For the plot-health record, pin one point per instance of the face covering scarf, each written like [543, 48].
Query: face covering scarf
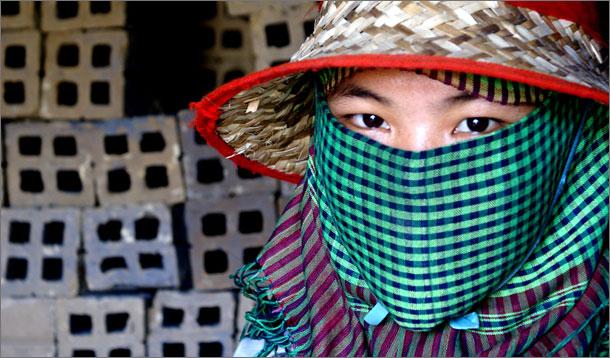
[431, 235]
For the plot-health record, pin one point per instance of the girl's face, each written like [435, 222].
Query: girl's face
[405, 110]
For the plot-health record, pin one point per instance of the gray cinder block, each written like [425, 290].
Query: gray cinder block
[18, 15]
[244, 305]
[28, 327]
[39, 252]
[225, 234]
[129, 247]
[20, 65]
[100, 325]
[178, 344]
[61, 16]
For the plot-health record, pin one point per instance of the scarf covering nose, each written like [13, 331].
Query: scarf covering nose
[431, 233]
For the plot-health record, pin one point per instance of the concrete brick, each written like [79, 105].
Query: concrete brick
[84, 75]
[225, 234]
[244, 305]
[145, 149]
[20, 65]
[28, 328]
[60, 16]
[209, 175]
[192, 312]
[17, 15]
[46, 162]
[129, 247]
[100, 324]
[178, 344]
[39, 252]
[232, 39]
[286, 192]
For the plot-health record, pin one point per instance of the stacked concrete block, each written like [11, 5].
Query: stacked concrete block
[244, 305]
[20, 65]
[39, 252]
[225, 234]
[286, 192]
[28, 328]
[136, 161]
[209, 175]
[191, 324]
[17, 15]
[84, 74]
[100, 327]
[64, 15]
[129, 247]
[49, 164]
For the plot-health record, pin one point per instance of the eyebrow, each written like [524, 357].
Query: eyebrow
[352, 90]
[462, 97]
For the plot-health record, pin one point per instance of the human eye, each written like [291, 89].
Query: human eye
[367, 121]
[478, 125]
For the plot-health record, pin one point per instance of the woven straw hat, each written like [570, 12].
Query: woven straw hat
[263, 121]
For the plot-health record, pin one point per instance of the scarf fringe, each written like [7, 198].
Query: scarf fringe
[266, 321]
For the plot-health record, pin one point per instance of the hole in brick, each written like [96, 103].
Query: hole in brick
[113, 263]
[207, 79]
[120, 352]
[308, 27]
[30, 145]
[31, 181]
[80, 324]
[207, 39]
[16, 268]
[110, 231]
[250, 254]
[199, 140]
[214, 224]
[14, 92]
[9, 8]
[172, 317]
[151, 261]
[277, 35]
[83, 353]
[233, 74]
[14, 56]
[215, 261]
[208, 316]
[250, 222]
[69, 181]
[208, 10]
[116, 144]
[156, 177]
[171, 349]
[99, 7]
[147, 228]
[66, 93]
[209, 171]
[152, 142]
[100, 92]
[279, 62]
[19, 232]
[247, 174]
[231, 39]
[66, 9]
[118, 180]
[64, 146]
[116, 322]
[210, 349]
[68, 55]
[52, 269]
[53, 233]
[100, 57]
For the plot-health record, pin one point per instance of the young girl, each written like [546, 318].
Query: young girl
[453, 182]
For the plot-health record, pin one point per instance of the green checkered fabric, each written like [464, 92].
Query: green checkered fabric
[433, 232]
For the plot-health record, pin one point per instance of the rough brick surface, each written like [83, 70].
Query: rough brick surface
[244, 305]
[129, 247]
[231, 36]
[22, 17]
[208, 174]
[143, 149]
[101, 325]
[84, 74]
[225, 234]
[49, 163]
[60, 17]
[179, 344]
[192, 312]
[20, 65]
[39, 252]
[28, 327]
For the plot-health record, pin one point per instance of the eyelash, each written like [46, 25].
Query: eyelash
[465, 126]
